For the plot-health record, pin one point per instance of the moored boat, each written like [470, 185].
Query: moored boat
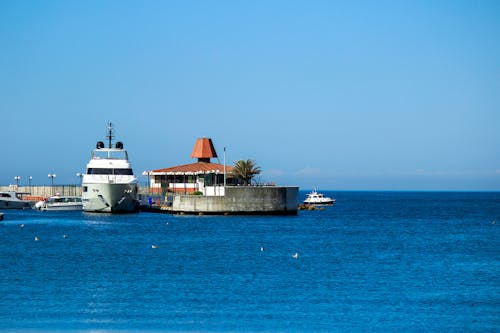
[58, 202]
[11, 200]
[315, 198]
[109, 184]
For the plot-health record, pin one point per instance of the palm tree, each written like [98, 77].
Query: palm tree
[245, 170]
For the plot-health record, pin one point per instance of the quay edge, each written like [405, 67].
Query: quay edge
[238, 200]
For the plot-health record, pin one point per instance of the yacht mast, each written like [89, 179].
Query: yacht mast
[110, 135]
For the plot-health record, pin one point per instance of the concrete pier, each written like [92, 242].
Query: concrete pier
[257, 200]
[237, 200]
[43, 191]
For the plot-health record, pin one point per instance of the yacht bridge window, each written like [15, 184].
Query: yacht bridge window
[107, 171]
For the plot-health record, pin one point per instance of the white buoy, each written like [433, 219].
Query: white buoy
[22, 225]
[154, 246]
[65, 236]
[295, 255]
[262, 249]
[37, 239]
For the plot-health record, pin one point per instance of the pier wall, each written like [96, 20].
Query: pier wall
[43, 191]
[47, 191]
[241, 200]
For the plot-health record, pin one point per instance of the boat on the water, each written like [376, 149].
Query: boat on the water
[315, 198]
[109, 184]
[58, 202]
[11, 200]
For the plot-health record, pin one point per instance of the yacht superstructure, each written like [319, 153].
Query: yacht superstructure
[109, 184]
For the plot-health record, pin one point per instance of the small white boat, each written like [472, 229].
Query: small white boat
[60, 203]
[11, 200]
[315, 198]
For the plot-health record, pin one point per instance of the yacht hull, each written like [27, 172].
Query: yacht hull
[110, 198]
[12, 204]
[318, 203]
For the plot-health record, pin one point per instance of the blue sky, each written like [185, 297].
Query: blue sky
[352, 95]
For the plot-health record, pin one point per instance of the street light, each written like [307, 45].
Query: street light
[79, 174]
[17, 181]
[148, 173]
[30, 178]
[52, 176]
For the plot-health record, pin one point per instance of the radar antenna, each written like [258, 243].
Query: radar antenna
[110, 135]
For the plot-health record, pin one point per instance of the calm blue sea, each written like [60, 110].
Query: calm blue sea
[374, 262]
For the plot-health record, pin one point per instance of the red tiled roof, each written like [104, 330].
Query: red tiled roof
[203, 148]
[193, 168]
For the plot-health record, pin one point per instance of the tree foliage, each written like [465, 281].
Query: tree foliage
[246, 170]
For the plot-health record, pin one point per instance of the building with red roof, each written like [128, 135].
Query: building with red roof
[201, 176]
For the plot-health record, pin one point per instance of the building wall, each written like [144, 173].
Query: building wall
[241, 200]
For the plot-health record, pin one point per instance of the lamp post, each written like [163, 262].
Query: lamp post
[147, 173]
[52, 176]
[79, 174]
[17, 181]
[224, 170]
[30, 178]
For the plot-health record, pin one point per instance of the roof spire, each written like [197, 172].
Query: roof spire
[204, 150]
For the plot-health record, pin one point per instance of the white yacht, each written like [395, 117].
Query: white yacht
[11, 200]
[315, 198]
[109, 184]
[59, 202]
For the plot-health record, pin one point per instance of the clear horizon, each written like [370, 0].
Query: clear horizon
[339, 96]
